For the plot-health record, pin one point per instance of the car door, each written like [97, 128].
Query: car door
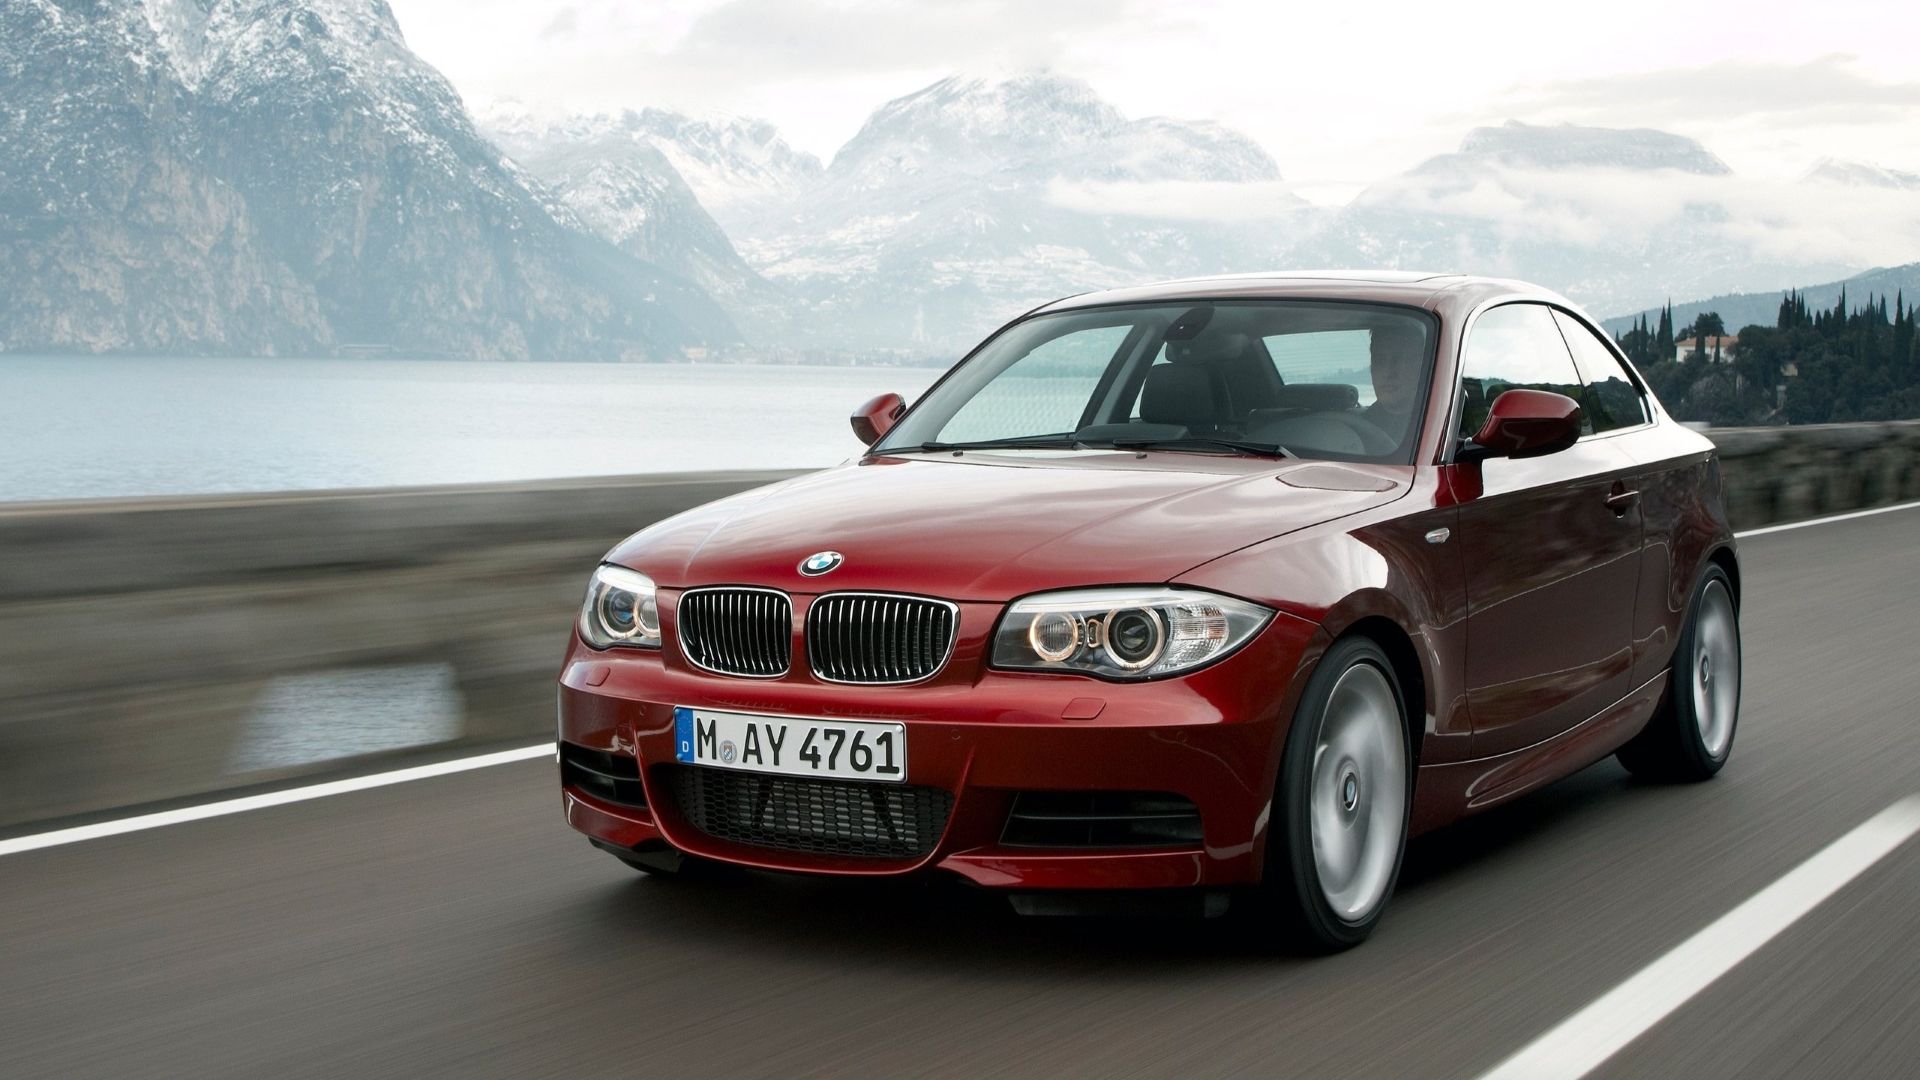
[1666, 479]
[1551, 547]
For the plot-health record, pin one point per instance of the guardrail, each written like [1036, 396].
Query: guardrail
[139, 638]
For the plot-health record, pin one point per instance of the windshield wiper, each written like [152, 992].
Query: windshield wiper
[1061, 440]
[1203, 442]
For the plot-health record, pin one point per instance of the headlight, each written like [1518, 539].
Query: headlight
[1124, 633]
[621, 609]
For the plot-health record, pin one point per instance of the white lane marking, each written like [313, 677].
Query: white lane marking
[272, 798]
[1828, 520]
[1581, 1042]
[336, 787]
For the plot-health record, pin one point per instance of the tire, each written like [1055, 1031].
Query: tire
[1341, 805]
[1691, 735]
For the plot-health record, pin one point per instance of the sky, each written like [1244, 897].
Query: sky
[1341, 95]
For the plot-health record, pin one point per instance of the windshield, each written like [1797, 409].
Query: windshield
[1313, 379]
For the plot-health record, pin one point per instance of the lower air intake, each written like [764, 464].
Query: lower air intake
[614, 778]
[1098, 819]
[818, 817]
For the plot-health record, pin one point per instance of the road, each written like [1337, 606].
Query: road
[453, 926]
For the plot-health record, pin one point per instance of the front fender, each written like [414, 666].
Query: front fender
[1386, 573]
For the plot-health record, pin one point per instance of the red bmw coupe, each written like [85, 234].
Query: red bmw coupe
[1215, 590]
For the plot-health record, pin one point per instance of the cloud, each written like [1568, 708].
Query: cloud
[771, 40]
[1795, 222]
[563, 24]
[1825, 89]
[1222, 202]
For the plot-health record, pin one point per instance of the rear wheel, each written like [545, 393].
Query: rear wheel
[1691, 736]
[1341, 804]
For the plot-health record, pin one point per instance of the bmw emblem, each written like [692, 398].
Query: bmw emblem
[727, 751]
[820, 562]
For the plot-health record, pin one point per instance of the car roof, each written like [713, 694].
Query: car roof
[1434, 291]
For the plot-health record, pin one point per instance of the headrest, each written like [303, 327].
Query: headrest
[1319, 397]
[1183, 394]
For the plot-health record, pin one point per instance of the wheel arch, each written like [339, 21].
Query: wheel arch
[1394, 640]
[1725, 558]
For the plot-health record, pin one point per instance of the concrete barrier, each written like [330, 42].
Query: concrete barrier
[139, 638]
[1793, 473]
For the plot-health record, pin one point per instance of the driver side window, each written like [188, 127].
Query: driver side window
[1514, 347]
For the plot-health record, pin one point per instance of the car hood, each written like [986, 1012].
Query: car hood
[992, 526]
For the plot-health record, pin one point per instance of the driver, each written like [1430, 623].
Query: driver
[1397, 350]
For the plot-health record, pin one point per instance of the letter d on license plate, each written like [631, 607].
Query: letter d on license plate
[790, 745]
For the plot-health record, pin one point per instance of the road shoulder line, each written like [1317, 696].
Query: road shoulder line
[272, 798]
[1828, 520]
[1582, 1042]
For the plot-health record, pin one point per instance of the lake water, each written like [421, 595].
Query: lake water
[85, 427]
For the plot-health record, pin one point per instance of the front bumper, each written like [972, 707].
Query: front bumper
[1213, 737]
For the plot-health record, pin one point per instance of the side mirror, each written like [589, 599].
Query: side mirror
[1524, 424]
[877, 417]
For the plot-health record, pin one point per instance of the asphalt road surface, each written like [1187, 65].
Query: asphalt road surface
[455, 927]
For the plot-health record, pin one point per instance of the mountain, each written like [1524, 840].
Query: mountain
[115, 233]
[347, 198]
[626, 190]
[959, 205]
[1861, 174]
[1569, 146]
[734, 167]
[1762, 308]
[1615, 218]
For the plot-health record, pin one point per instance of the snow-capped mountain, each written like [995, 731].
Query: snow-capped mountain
[341, 180]
[628, 192]
[279, 176]
[1617, 219]
[959, 205]
[114, 232]
[735, 167]
[1861, 174]
[1569, 146]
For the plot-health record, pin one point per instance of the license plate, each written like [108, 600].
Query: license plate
[791, 746]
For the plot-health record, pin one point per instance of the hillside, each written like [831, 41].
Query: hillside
[1762, 308]
[286, 176]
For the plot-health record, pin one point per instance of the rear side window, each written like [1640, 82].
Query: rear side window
[1612, 400]
[1514, 347]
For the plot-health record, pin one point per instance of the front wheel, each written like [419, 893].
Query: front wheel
[1691, 736]
[1341, 804]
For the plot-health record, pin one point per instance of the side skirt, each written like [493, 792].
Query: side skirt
[1444, 793]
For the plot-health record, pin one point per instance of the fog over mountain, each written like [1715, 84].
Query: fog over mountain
[285, 176]
[1616, 219]
[957, 206]
[735, 167]
[1862, 174]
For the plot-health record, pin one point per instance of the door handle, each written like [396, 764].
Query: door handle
[1622, 500]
